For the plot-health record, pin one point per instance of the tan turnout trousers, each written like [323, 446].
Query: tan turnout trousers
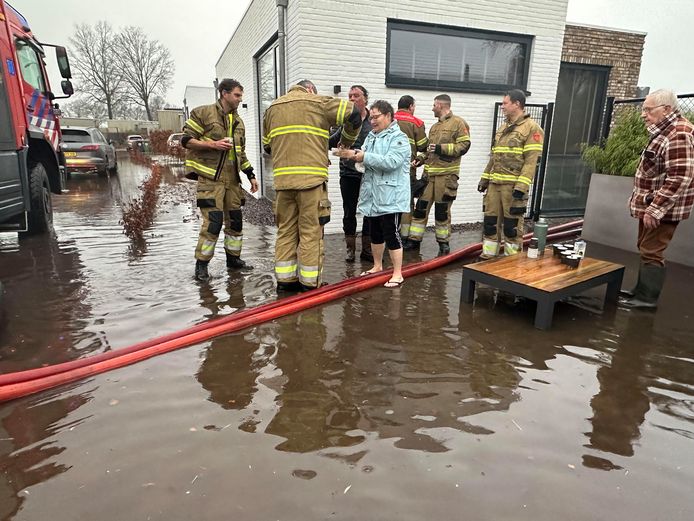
[503, 221]
[220, 206]
[299, 253]
[439, 193]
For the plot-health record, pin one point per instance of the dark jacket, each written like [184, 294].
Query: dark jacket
[347, 165]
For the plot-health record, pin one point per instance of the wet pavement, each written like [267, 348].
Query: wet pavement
[386, 405]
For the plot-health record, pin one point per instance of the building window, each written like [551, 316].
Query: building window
[267, 83]
[450, 58]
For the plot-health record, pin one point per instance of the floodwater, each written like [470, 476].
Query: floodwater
[387, 405]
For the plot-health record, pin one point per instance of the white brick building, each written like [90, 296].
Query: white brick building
[498, 45]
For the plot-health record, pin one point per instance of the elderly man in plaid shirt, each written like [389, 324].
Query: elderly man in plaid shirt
[663, 192]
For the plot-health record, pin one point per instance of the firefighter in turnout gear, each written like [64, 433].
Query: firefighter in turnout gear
[449, 140]
[215, 154]
[295, 133]
[508, 176]
[416, 134]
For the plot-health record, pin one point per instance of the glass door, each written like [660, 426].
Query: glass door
[267, 83]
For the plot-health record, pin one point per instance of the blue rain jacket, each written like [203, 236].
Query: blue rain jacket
[385, 185]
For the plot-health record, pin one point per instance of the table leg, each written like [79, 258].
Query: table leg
[613, 287]
[467, 292]
[544, 313]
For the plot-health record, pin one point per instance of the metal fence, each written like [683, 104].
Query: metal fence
[616, 107]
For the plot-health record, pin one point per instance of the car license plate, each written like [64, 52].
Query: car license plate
[70, 154]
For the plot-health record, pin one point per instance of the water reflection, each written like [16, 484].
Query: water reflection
[620, 407]
[27, 454]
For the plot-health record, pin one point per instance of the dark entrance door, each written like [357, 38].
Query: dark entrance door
[581, 96]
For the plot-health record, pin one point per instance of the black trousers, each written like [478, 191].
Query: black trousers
[349, 188]
[385, 228]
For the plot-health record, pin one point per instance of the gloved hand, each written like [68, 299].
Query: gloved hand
[517, 194]
[483, 185]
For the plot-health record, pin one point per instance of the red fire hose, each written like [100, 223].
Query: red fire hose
[23, 383]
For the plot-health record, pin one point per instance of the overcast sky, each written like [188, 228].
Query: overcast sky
[197, 31]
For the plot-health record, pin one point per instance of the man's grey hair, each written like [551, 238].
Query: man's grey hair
[664, 97]
[308, 85]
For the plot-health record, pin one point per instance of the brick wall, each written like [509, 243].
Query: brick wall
[617, 49]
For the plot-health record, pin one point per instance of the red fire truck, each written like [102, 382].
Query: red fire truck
[31, 164]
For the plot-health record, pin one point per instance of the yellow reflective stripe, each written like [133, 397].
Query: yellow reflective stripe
[202, 168]
[449, 148]
[422, 141]
[416, 229]
[238, 148]
[524, 180]
[341, 112]
[246, 164]
[232, 155]
[266, 140]
[348, 136]
[192, 124]
[411, 141]
[485, 175]
[507, 150]
[301, 170]
[230, 132]
[504, 177]
[428, 168]
[441, 232]
[490, 247]
[308, 274]
[296, 129]
[537, 146]
[286, 269]
[462, 138]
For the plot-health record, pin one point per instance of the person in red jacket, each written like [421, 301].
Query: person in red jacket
[416, 134]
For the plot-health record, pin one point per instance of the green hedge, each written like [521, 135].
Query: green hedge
[622, 149]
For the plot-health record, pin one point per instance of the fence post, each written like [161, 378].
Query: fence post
[607, 121]
[539, 185]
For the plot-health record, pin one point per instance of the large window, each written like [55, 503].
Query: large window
[29, 63]
[451, 58]
[267, 82]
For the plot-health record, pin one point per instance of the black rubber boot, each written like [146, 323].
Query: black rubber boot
[629, 293]
[288, 287]
[651, 280]
[411, 245]
[235, 263]
[351, 242]
[444, 248]
[366, 254]
[201, 273]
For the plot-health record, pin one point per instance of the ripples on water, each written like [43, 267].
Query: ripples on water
[389, 404]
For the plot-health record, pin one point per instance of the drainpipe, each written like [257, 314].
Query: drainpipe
[281, 40]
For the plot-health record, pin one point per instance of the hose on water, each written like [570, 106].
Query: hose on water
[23, 383]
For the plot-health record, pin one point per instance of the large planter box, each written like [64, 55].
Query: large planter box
[607, 220]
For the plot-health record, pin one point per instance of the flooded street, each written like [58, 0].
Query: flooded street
[386, 405]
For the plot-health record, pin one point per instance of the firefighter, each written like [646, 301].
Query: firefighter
[449, 140]
[507, 177]
[416, 134]
[295, 130]
[215, 153]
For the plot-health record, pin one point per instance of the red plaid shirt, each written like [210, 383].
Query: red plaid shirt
[664, 183]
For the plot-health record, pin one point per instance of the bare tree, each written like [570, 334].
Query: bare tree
[146, 66]
[84, 106]
[93, 50]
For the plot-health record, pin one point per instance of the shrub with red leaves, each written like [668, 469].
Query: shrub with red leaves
[139, 214]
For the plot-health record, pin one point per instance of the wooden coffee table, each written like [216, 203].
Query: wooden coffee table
[545, 280]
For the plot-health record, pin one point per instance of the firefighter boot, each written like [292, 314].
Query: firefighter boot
[366, 254]
[201, 273]
[411, 245]
[651, 280]
[444, 249]
[235, 263]
[351, 242]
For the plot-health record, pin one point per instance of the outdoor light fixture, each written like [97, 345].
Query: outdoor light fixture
[337, 89]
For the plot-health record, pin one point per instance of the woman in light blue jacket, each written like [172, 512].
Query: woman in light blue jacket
[385, 186]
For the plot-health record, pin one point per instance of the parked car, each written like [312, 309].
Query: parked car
[173, 143]
[134, 142]
[87, 150]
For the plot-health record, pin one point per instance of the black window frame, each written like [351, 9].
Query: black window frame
[450, 30]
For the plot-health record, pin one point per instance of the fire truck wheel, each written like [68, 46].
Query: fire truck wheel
[40, 218]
